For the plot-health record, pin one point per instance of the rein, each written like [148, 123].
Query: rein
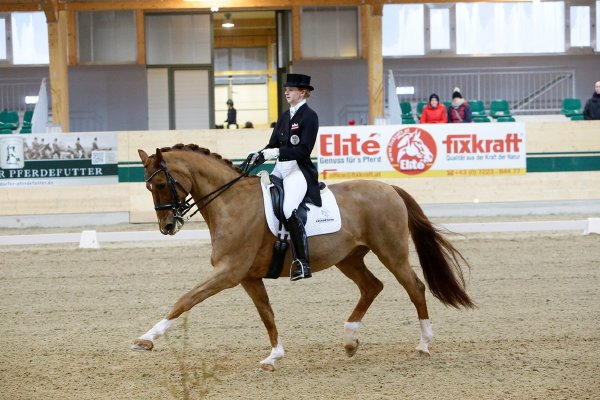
[181, 207]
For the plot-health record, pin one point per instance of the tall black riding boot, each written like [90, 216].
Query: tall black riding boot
[300, 268]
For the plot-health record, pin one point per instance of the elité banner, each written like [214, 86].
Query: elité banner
[58, 159]
[397, 151]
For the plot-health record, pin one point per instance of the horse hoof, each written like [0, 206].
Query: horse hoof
[266, 368]
[142, 345]
[351, 348]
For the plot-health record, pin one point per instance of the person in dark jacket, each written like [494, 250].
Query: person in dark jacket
[231, 120]
[592, 106]
[291, 143]
[459, 110]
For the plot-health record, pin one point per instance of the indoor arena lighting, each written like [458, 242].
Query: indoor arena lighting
[228, 23]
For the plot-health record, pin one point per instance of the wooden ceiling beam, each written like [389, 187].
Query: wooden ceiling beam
[224, 5]
[181, 5]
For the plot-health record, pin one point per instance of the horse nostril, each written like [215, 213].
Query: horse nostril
[168, 228]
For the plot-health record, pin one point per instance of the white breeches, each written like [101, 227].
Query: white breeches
[294, 185]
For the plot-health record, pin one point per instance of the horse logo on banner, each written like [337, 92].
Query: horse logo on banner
[412, 151]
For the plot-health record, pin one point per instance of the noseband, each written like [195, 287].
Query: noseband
[177, 206]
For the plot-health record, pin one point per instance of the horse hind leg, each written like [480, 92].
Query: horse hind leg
[354, 268]
[258, 293]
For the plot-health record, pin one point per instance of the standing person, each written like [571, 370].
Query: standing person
[434, 112]
[460, 110]
[231, 115]
[291, 143]
[592, 106]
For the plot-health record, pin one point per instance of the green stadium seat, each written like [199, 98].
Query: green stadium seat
[478, 111]
[407, 115]
[572, 107]
[420, 106]
[500, 109]
[578, 117]
[9, 120]
[26, 126]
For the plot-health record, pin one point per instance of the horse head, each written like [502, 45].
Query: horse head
[169, 185]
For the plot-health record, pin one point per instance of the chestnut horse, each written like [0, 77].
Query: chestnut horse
[375, 217]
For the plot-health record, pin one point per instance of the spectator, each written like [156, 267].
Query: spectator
[231, 120]
[592, 106]
[459, 110]
[434, 112]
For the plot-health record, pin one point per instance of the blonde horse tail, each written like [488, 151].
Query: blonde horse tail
[440, 260]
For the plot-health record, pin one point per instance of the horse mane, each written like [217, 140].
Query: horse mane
[201, 150]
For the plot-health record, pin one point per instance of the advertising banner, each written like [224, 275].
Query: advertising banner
[432, 150]
[58, 159]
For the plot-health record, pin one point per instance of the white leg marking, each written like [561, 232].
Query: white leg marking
[426, 336]
[277, 353]
[351, 333]
[158, 330]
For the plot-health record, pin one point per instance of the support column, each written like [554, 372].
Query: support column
[374, 60]
[59, 79]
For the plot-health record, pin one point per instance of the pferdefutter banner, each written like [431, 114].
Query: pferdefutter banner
[58, 159]
[396, 151]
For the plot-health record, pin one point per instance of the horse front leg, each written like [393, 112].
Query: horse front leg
[258, 293]
[219, 279]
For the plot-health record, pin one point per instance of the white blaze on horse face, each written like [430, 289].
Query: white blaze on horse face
[157, 330]
[426, 336]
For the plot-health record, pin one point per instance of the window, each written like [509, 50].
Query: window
[329, 32]
[439, 28]
[580, 26]
[2, 38]
[29, 38]
[178, 39]
[508, 28]
[403, 30]
[598, 26]
[106, 37]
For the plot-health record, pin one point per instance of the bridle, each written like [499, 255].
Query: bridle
[180, 207]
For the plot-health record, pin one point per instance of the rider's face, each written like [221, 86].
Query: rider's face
[293, 95]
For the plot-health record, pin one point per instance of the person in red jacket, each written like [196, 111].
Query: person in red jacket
[434, 112]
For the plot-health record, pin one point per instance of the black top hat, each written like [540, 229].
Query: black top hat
[298, 80]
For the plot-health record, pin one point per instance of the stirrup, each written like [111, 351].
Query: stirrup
[299, 270]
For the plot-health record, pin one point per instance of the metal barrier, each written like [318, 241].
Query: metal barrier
[531, 90]
[13, 92]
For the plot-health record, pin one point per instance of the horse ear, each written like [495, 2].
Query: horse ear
[158, 155]
[143, 155]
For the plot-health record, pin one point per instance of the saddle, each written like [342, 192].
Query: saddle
[281, 245]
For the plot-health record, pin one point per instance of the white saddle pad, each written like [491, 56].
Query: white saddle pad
[319, 220]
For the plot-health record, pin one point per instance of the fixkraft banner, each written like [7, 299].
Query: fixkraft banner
[59, 159]
[396, 151]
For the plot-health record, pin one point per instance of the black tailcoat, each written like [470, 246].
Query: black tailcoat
[305, 126]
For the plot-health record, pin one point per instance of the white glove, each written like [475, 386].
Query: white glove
[270, 154]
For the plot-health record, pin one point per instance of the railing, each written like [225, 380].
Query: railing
[13, 92]
[533, 90]
[359, 113]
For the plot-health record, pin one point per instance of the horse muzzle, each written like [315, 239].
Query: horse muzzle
[172, 226]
